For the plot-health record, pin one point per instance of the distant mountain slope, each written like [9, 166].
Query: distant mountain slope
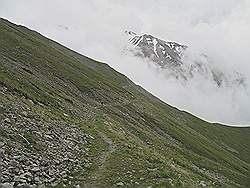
[66, 119]
[176, 59]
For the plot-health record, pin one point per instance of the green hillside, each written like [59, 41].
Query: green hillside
[66, 119]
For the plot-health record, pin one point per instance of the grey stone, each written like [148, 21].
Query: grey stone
[2, 144]
[7, 185]
[120, 184]
[35, 169]
[7, 120]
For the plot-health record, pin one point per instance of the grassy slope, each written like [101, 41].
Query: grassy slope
[139, 139]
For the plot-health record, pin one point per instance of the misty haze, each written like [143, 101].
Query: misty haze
[217, 29]
[113, 93]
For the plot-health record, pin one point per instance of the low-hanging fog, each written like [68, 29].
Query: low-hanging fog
[95, 28]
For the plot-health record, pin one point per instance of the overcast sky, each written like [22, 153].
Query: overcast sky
[219, 28]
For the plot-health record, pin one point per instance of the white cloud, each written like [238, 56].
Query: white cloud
[95, 28]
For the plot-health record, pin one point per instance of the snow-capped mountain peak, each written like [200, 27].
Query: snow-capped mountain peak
[161, 52]
[173, 57]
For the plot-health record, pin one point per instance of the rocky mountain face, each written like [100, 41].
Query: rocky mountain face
[176, 60]
[165, 54]
[69, 121]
